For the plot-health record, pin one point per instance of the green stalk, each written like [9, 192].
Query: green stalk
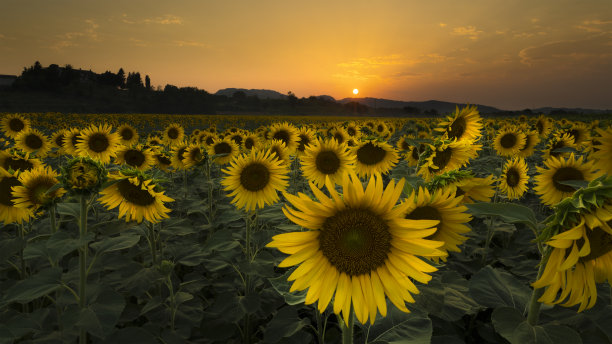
[534, 305]
[22, 272]
[247, 277]
[52, 218]
[347, 329]
[83, 264]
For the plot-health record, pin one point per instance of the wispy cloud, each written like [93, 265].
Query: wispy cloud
[594, 51]
[469, 31]
[442, 24]
[166, 19]
[139, 42]
[70, 39]
[595, 26]
[191, 44]
[392, 60]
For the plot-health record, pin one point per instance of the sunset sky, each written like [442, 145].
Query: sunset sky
[508, 54]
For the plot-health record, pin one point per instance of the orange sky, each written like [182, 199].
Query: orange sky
[508, 54]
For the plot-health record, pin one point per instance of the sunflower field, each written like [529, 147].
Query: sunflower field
[252, 229]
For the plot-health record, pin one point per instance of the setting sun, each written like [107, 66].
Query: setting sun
[355, 91]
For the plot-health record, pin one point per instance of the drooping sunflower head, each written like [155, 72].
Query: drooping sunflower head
[17, 161]
[374, 157]
[83, 175]
[33, 191]
[254, 179]
[531, 140]
[403, 144]
[509, 141]
[513, 181]
[326, 158]
[550, 183]
[136, 157]
[443, 156]
[8, 212]
[33, 142]
[464, 124]
[137, 198]
[98, 143]
[194, 154]
[358, 246]
[127, 134]
[222, 151]
[285, 132]
[14, 124]
[173, 134]
[463, 183]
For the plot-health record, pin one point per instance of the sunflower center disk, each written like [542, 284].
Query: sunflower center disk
[33, 141]
[127, 134]
[355, 241]
[512, 177]
[442, 158]
[36, 193]
[59, 140]
[134, 194]
[163, 160]
[223, 148]
[338, 137]
[540, 127]
[600, 241]
[134, 157]
[370, 154]
[16, 124]
[327, 162]
[237, 139]
[248, 143]
[173, 133]
[282, 135]
[6, 184]
[564, 174]
[457, 128]
[304, 141]
[508, 140]
[254, 177]
[196, 155]
[98, 143]
[17, 164]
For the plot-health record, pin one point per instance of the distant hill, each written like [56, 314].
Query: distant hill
[440, 106]
[261, 94]
[548, 110]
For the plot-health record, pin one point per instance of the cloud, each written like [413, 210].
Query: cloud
[139, 42]
[69, 39]
[470, 31]
[392, 60]
[594, 51]
[190, 44]
[595, 25]
[442, 24]
[166, 19]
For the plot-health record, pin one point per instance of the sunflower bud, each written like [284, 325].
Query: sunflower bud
[83, 175]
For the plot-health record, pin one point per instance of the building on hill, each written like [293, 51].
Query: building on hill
[6, 81]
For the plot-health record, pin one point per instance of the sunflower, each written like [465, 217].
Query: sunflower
[251, 141]
[513, 180]
[57, 140]
[154, 140]
[413, 154]
[441, 205]
[353, 130]
[557, 142]
[136, 198]
[474, 189]
[173, 134]
[136, 157]
[83, 175]
[279, 150]
[380, 129]
[464, 124]
[206, 139]
[14, 124]
[254, 179]
[327, 158]
[32, 193]
[8, 212]
[238, 138]
[71, 138]
[193, 155]
[221, 146]
[509, 141]
[177, 156]
[374, 157]
[285, 132]
[403, 144]
[548, 184]
[602, 151]
[128, 135]
[358, 247]
[531, 140]
[339, 134]
[14, 161]
[162, 160]
[98, 143]
[445, 156]
[581, 256]
[33, 142]
[579, 132]
[306, 137]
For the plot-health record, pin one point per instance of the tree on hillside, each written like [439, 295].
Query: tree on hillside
[121, 78]
[147, 82]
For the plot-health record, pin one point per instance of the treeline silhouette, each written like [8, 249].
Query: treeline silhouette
[66, 89]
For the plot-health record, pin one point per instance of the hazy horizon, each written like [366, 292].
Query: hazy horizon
[510, 56]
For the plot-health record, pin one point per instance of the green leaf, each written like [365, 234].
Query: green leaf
[284, 324]
[123, 241]
[282, 286]
[508, 212]
[43, 283]
[399, 327]
[546, 334]
[577, 184]
[181, 297]
[107, 308]
[496, 288]
[131, 335]
[69, 209]
[221, 240]
[505, 320]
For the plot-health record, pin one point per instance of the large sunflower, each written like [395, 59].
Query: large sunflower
[222, 146]
[602, 151]
[98, 143]
[127, 134]
[14, 161]
[557, 142]
[548, 184]
[440, 205]
[136, 198]
[326, 158]
[173, 134]
[358, 246]
[445, 157]
[513, 180]
[32, 193]
[509, 141]
[136, 157]
[254, 179]
[374, 157]
[581, 257]
[14, 124]
[8, 212]
[285, 132]
[464, 124]
[33, 142]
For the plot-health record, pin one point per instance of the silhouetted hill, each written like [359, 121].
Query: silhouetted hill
[261, 94]
[555, 110]
[440, 106]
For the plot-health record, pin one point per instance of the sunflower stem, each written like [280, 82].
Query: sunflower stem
[22, 272]
[83, 263]
[52, 218]
[347, 329]
[534, 305]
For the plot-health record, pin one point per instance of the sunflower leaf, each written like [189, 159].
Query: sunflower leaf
[577, 184]
[508, 212]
